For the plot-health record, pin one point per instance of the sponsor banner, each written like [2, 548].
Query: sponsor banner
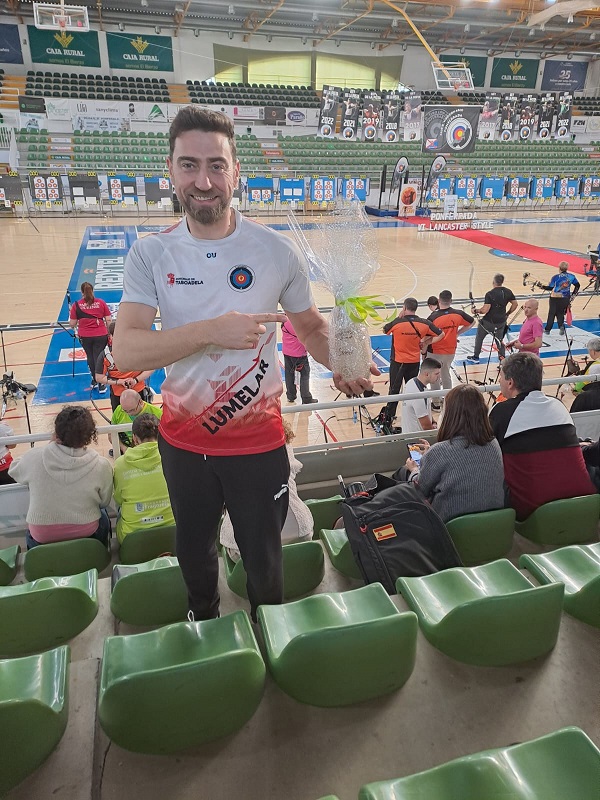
[390, 120]
[134, 51]
[564, 76]
[515, 73]
[274, 114]
[58, 108]
[247, 112]
[488, 121]
[148, 112]
[32, 105]
[330, 100]
[579, 124]
[450, 225]
[67, 48]
[477, 65]
[412, 117]
[509, 111]
[371, 115]
[528, 117]
[435, 170]
[350, 112]
[89, 122]
[546, 116]
[400, 173]
[450, 129]
[10, 45]
[32, 122]
[295, 116]
[563, 115]
[408, 199]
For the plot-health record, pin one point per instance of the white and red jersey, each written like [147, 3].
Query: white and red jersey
[217, 401]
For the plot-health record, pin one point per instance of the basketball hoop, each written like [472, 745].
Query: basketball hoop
[62, 21]
[60, 17]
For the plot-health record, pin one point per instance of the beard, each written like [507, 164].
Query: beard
[206, 216]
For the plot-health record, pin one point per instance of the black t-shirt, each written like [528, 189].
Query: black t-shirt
[498, 298]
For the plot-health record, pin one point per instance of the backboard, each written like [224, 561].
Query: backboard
[60, 17]
[452, 76]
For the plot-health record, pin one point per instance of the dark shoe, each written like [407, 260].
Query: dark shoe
[371, 393]
[546, 331]
[291, 399]
[312, 400]
[561, 330]
[473, 359]
[102, 389]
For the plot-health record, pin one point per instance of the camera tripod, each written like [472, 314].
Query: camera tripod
[12, 391]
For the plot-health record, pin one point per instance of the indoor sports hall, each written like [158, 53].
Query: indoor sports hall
[437, 144]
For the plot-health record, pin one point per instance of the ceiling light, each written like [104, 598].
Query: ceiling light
[543, 26]
[395, 22]
[592, 37]
[569, 56]
[121, 26]
[372, 45]
[517, 53]
[467, 28]
[231, 10]
[304, 40]
[196, 32]
[269, 38]
[315, 17]
[230, 34]
[462, 51]
[490, 52]
[157, 29]
[570, 18]
[144, 3]
[404, 46]
[337, 43]
[532, 31]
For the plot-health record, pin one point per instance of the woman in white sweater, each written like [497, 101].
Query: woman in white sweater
[298, 526]
[69, 485]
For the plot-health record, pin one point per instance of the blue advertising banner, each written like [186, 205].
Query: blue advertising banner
[564, 75]
[10, 45]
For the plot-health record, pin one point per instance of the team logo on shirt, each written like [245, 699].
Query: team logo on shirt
[241, 277]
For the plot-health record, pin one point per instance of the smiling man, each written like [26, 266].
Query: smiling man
[219, 279]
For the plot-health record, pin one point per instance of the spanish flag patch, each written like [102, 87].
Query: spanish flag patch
[384, 532]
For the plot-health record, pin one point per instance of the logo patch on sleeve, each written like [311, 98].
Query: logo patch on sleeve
[384, 532]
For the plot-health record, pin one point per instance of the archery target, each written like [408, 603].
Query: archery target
[241, 277]
[459, 134]
[561, 132]
[325, 130]
[506, 136]
[370, 132]
[525, 132]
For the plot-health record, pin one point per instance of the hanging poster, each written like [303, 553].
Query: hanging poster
[450, 129]
[330, 100]
[528, 116]
[66, 48]
[10, 45]
[390, 120]
[546, 115]
[488, 121]
[371, 115]
[563, 116]
[564, 75]
[412, 117]
[134, 51]
[516, 73]
[350, 112]
[509, 111]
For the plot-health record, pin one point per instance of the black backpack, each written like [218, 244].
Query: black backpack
[394, 532]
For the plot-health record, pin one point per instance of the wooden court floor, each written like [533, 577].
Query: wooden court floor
[37, 258]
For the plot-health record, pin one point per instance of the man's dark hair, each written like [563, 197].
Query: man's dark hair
[74, 426]
[432, 300]
[410, 304]
[498, 279]
[192, 118]
[525, 370]
[145, 427]
[430, 363]
[446, 296]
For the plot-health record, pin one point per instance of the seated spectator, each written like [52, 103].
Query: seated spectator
[139, 484]
[588, 398]
[69, 485]
[416, 414]
[108, 374]
[592, 367]
[462, 472]
[5, 455]
[591, 455]
[298, 526]
[541, 452]
[131, 406]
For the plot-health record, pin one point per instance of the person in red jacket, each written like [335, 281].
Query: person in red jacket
[90, 316]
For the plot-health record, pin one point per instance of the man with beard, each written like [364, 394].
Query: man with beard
[218, 279]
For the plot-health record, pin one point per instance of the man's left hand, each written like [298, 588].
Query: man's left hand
[357, 386]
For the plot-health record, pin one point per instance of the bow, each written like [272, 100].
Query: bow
[361, 307]
[471, 298]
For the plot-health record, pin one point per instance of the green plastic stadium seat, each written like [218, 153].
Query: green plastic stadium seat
[578, 567]
[33, 712]
[488, 616]
[46, 613]
[180, 686]
[303, 570]
[340, 648]
[324, 512]
[563, 764]
[329, 797]
[338, 549]
[482, 537]
[8, 564]
[153, 593]
[66, 558]
[563, 522]
[142, 546]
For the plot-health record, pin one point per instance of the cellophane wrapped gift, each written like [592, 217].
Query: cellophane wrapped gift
[342, 255]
